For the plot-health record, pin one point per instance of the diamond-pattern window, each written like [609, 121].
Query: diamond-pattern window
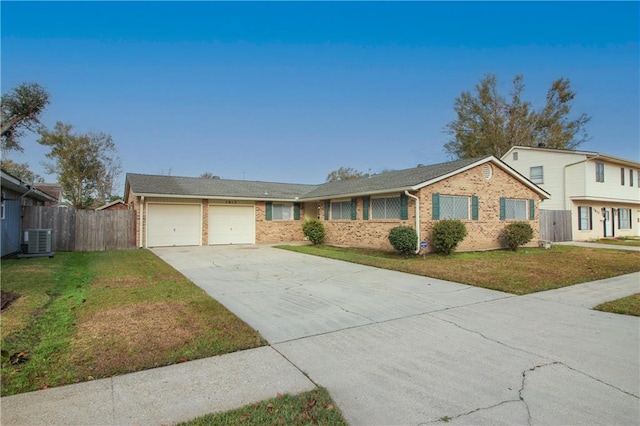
[385, 208]
[515, 209]
[454, 207]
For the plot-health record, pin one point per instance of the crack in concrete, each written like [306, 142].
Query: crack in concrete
[482, 335]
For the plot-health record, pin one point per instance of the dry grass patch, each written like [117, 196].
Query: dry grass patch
[141, 334]
[126, 281]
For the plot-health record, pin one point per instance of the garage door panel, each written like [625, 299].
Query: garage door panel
[232, 224]
[173, 225]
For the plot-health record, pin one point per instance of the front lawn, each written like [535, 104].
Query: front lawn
[528, 270]
[629, 305]
[309, 408]
[83, 316]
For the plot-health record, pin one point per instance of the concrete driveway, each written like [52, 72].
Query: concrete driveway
[394, 348]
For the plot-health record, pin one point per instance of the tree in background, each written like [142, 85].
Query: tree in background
[21, 110]
[344, 173]
[489, 124]
[21, 171]
[86, 164]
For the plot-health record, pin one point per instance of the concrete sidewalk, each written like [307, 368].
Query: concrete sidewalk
[598, 245]
[161, 396]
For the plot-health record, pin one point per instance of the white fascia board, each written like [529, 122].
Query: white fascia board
[604, 199]
[212, 197]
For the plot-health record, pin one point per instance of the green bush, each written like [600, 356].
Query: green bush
[404, 239]
[447, 234]
[313, 229]
[516, 234]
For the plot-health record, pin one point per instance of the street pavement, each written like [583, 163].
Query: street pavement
[391, 348]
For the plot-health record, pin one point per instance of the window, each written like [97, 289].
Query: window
[340, 210]
[385, 208]
[515, 209]
[624, 218]
[536, 174]
[599, 172]
[584, 218]
[622, 173]
[454, 207]
[630, 177]
[515, 156]
[282, 211]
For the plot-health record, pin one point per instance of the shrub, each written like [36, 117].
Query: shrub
[404, 239]
[313, 229]
[516, 234]
[447, 234]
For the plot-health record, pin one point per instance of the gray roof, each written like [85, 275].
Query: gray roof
[389, 181]
[397, 180]
[207, 187]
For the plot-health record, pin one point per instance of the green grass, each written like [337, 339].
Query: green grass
[81, 316]
[622, 241]
[629, 305]
[526, 271]
[309, 408]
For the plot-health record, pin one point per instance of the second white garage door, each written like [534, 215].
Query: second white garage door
[232, 225]
[173, 225]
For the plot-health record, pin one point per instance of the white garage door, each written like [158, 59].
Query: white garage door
[173, 225]
[232, 225]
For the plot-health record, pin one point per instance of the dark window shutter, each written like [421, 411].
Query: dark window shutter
[354, 208]
[365, 208]
[435, 200]
[296, 211]
[532, 209]
[474, 207]
[327, 206]
[503, 208]
[404, 207]
[590, 218]
[268, 209]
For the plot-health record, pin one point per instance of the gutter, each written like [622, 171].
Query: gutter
[417, 218]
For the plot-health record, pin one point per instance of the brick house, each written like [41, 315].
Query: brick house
[484, 193]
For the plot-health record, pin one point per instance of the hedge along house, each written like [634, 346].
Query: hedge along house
[484, 193]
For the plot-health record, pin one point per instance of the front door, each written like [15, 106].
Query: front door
[608, 222]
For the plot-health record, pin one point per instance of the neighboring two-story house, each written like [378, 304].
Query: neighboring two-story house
[601, 192]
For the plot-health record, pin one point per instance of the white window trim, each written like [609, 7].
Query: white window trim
[536, 180]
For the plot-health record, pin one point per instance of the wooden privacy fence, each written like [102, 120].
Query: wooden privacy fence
[555, 225]
[83, 230]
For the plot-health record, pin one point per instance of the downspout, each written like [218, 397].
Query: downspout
[141, 213]
[417, 218]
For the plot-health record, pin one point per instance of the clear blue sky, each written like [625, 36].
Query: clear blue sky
[288, 92]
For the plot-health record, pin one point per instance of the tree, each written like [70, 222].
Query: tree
[344, 173]
[21, 171]
[21, 110]
[489, 124]
[209, 175]
[86, 164]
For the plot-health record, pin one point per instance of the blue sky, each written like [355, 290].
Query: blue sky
[288, 92]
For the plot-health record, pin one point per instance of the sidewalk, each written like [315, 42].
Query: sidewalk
[161, 396]
[598, 245]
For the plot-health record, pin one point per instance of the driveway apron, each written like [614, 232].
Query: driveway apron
[394, 348]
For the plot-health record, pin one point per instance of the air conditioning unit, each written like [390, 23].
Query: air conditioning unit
[37, 241]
